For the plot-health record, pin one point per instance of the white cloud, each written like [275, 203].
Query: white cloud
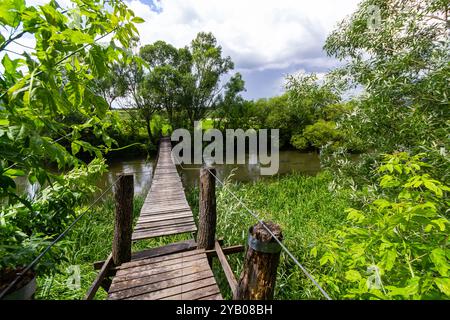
[266, 39]
[258, 35]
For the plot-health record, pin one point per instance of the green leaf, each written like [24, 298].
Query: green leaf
[13, 173]
[389, 259]
[10, 12]
[443, 284]
[77, 36]
[137, 20]
[440, 261]
[75, 147]
[352, 275]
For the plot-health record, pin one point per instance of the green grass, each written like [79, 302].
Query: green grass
[303, 206]
[90, 241]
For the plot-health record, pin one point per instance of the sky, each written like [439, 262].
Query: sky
[266, 39]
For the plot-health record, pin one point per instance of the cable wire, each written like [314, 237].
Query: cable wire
[36, 260]
[274, 236]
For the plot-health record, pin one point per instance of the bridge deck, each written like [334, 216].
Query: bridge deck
[176, 271]
[165, 210]
[177, 276]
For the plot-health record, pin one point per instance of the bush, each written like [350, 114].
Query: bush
[397, 246]
[299, 142]
[321, 133]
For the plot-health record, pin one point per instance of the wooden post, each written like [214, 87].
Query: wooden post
[121, 250]
[207, 210]
[257, 281]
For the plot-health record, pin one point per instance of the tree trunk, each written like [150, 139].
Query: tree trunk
[149, 129]
[121, 250]
[207, 207]
[257, 281]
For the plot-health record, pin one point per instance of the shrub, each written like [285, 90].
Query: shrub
[397, 246]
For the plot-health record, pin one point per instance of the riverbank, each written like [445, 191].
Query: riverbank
[302, 205]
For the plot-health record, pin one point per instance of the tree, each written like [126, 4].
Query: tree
[167, 67]
[39, 89]
[232, 110]
[113, 84]
[208, 66]
[398, 51]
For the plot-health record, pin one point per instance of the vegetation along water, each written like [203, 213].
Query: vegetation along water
[362, 190]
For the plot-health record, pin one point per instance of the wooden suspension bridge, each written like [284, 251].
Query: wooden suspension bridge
[181, 270]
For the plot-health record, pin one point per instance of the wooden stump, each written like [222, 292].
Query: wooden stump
[257, 281]
[121, 250]
[207, 210]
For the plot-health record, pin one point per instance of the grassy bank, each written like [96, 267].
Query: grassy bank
[90, 241]
[306, 211]
[303, 206]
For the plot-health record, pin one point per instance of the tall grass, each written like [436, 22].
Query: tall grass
[90, 241]
[304, 208]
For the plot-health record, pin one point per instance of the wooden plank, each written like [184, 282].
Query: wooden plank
[226, 251]
[178, 290]
[216, 296]
[196, 293]
[193, 276]
[168, 249]
[142, 265]
[123, 285]
[100, 277]
[226, 268]
[142, 228]
[163, 269]
[176, 247]
[164, 232]
[164, 223]
[167, 227]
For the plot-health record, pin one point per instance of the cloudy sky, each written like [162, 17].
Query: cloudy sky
[266, 39]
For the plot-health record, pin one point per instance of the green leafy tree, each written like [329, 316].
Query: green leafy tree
[397, 247]
[40, 90]
[208, 66]
[398, 52]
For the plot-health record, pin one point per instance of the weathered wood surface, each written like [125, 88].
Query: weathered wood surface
[165, 210]
[207, 209]
[226, 268]
[124, 193]
[106, 266]
[181, 276]
[257, 281]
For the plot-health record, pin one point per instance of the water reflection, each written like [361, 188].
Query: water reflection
[142, 168]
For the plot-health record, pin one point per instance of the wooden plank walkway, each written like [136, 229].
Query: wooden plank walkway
[165, 210]
[177, 271]
[177, 276]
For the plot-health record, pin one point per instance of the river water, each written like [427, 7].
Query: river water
[290, 162]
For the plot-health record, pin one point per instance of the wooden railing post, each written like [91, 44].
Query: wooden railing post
[257, 281]
[121, 249]
[207, 209]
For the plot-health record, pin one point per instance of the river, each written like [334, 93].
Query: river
[290, 161]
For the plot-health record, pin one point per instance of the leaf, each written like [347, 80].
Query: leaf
[10, 12]
[313, 252]
[75, 147]
[353, 276]
[97, 61]
[389, 259]
[77, 37]
[14, 173]
[440, 261]
[137, 20]
[443, 284]
[327, 257]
